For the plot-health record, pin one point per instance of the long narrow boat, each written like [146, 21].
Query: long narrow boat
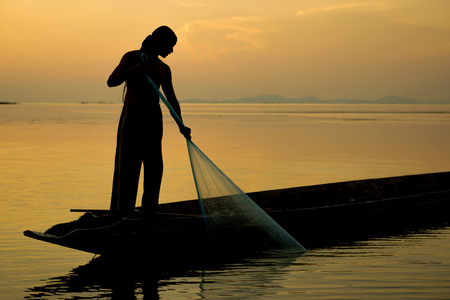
[314, 215]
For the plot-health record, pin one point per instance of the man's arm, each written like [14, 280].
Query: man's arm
[128, 66]
[169, 92]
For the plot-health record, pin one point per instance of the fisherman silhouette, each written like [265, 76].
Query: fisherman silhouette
[140, 127]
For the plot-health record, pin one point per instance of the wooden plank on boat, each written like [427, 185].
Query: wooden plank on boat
[90, 210]
[163, 214]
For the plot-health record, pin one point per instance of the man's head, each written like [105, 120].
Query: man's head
[161, 41]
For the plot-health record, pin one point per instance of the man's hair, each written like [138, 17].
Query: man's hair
[162, 34]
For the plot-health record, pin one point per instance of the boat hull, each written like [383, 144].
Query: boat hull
[314, 215]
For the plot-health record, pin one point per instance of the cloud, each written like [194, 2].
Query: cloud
[212, 38]
[345, 6]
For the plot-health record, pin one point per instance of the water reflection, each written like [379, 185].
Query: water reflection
[102, 279]
[105, 278]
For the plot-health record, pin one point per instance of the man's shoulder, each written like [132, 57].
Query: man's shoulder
[132, 53]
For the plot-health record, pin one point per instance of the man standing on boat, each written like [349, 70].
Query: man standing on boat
[140, 129]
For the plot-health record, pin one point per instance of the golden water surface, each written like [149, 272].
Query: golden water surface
[54, 157]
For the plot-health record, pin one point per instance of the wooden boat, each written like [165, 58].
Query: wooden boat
[315, 215]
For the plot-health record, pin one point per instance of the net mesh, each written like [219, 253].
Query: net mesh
[227, 209]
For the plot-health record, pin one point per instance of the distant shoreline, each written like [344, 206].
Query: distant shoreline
[278, 99]
[362, 102]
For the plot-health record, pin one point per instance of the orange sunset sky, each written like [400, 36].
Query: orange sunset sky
[63, 51]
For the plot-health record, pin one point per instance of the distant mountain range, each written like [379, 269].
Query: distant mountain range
[309, 100]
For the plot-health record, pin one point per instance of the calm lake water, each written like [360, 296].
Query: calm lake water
[55, 157]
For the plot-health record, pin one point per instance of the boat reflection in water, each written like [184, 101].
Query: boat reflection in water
[146, 278]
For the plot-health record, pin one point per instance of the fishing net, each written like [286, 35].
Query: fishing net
[227, 210]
